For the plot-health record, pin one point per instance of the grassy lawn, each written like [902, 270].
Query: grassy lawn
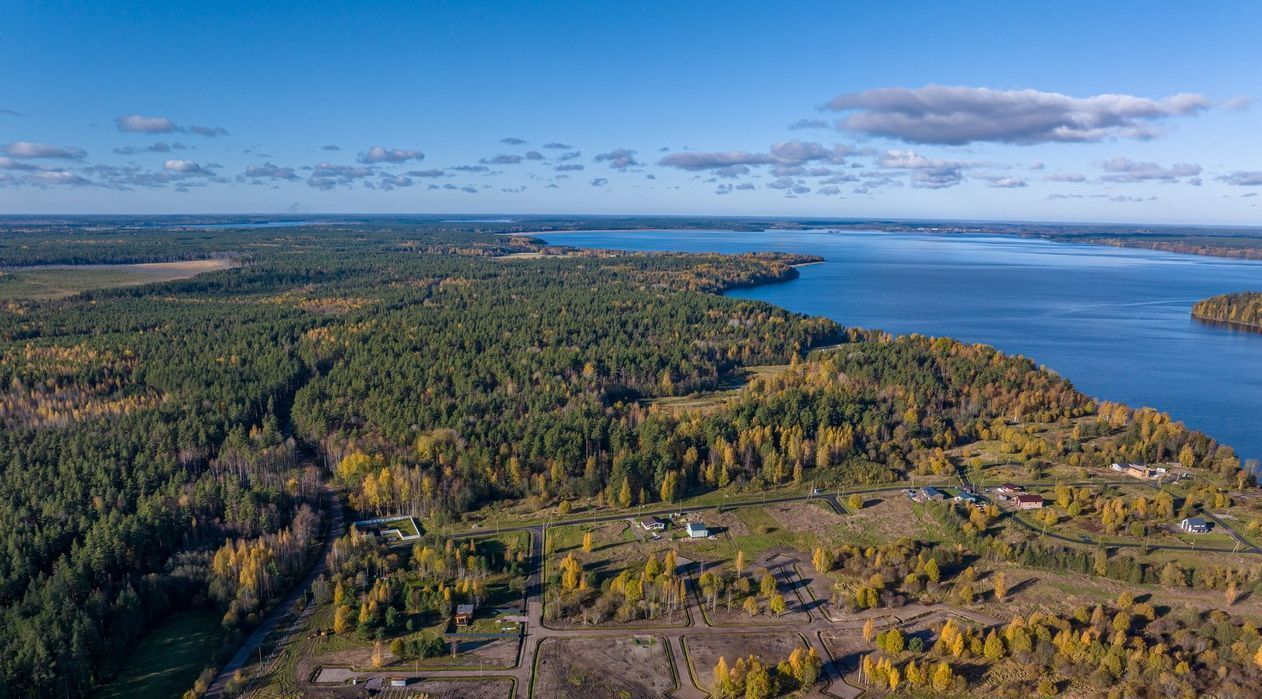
[169, 658]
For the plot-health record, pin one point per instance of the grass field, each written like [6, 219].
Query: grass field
[709, 401]
[169, 658]
[54, 282]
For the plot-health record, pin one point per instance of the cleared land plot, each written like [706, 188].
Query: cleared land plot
[392, 529]
[847, 648]
[750, 529]
[704, 651]
[1088, 525]
[633, 667]
[816, 517]
[53, 282]
[887, 517]
[471, 688]
[710, 401]
[616, 546]
[1037, 589]
[169, 658]
[788, 584]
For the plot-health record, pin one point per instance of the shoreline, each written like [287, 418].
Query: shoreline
[1234, 324]
[1172, 247]
[1192, 422]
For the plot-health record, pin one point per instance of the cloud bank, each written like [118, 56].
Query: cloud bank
[945, 115]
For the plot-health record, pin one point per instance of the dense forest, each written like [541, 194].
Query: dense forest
[165, 446]
[159, 444]
[1244, 308]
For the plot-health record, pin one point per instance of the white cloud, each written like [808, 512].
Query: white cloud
[27, 149]
[959, 115]
[377, 154]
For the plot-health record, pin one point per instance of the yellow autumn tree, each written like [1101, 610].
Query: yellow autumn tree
[942, 677]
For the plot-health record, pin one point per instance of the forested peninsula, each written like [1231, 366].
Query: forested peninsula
[1243, 309]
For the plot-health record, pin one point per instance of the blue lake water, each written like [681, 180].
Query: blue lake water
[1113, 321]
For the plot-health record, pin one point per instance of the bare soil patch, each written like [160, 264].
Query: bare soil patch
[632, 667]
[498, 653]
[472, 688]
[847, 648]
[807, 517]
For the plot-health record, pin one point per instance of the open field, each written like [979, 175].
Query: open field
[710, 401]
[633, 667]
[886, 517]
[53, 282]
[169, 659]
[1036, 589]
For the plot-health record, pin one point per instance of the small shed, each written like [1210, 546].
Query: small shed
[398, 681]
[464, 614]
[697, 530]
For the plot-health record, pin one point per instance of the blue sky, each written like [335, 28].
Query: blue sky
[1079, 111]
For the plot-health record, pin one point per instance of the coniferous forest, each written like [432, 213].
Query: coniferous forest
[171, 446]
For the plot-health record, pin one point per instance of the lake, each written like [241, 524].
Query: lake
[1114, 321]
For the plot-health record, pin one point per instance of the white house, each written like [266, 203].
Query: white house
[697, 530]
[1194, 525]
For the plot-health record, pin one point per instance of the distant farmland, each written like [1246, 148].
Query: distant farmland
[58, 281]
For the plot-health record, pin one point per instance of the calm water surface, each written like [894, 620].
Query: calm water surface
[1113, 321]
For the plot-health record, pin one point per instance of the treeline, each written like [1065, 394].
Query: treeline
[144, 428]
[1129, 648]
[1244, 308]
[147, 428]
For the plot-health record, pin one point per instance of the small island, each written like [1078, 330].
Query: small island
[1243, 309]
